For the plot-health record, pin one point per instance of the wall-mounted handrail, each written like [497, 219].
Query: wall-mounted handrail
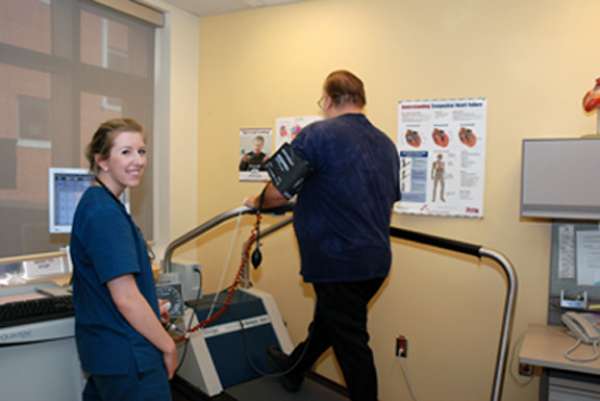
[438, 242]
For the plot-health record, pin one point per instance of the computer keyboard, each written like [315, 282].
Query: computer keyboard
[36, 310]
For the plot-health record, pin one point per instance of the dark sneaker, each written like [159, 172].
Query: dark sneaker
[280, 361]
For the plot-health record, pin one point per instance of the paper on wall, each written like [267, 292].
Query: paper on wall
[566, 251]
[588, 258]
[286, 128]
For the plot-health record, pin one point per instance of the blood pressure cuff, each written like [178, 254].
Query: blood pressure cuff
[287, 170]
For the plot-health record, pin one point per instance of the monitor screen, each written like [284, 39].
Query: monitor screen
[559, 179]
[65, 187]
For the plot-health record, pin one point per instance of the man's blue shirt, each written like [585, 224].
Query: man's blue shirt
[105, 244]
[342, 215]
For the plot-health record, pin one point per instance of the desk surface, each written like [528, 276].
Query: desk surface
[544, 346]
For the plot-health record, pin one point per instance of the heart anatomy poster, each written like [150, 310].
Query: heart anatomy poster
[441, 144]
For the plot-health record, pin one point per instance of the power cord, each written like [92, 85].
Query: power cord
[227, 262]
[593, 357]
[516, 347]
[515, 350]
[229, 294]
[411, 391]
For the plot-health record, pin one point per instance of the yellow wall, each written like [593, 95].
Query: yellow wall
[532, 60]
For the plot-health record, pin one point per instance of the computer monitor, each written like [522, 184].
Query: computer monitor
[65, 187]
[559, 179]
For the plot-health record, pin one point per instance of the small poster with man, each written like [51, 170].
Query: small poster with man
[255, 149]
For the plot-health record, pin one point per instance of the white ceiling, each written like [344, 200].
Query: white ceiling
[214, 7]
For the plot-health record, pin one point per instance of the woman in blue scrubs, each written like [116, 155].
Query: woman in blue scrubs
[123, 348]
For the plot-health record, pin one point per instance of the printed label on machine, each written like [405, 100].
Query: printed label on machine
[45, 267]
[231, 327]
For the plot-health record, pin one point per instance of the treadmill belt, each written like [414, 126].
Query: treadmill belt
[269, 388]
[314, 388]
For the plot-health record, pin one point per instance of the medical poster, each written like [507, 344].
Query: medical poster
[441, 144]
[286, 128]
[255, 149]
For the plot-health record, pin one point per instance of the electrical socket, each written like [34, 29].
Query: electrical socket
[401, 346]
[525, 369]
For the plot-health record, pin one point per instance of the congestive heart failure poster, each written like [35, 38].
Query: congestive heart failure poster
[441, 144]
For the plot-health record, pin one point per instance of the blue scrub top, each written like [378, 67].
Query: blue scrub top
[343, 211]
[105, 244]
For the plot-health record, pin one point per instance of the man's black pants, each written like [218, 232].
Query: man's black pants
[340, 321]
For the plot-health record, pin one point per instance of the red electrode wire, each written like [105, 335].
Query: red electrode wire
[244, 263]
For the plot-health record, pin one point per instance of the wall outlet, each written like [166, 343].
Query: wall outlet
[525, 369]
[401, 347]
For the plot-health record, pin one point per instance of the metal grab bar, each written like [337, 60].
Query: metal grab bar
[438, 242]
[196, 232]
[219, 219]
[511, 292]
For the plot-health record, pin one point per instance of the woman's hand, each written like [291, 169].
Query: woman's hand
[250, 202]
[164, 306]
[170, 360]
[138, 313]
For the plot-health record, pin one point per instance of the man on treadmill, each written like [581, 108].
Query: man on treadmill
[341, 219]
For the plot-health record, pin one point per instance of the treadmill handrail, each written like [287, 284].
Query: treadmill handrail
[438, 242]
[219, 219]
[435, 241]
[201, 229]
[511, 292]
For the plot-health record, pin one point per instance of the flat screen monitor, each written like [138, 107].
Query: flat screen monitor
[560, 179]
[65, 187]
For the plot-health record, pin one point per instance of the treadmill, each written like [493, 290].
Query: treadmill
[226, 360]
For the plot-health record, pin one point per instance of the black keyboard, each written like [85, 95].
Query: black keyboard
[36, 310]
